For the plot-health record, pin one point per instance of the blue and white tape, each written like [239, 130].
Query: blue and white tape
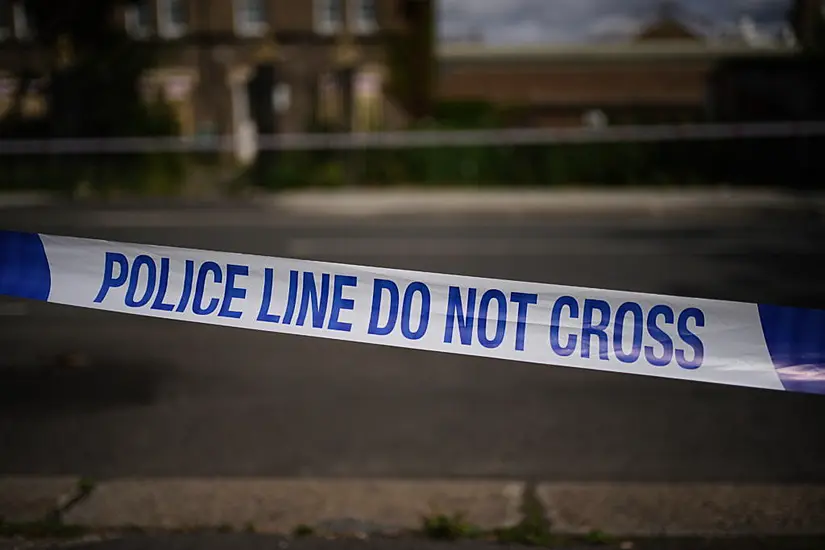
[723, 342]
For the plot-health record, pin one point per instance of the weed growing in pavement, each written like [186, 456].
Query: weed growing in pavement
[303, 530]
[598, 537]
[85, 486]
[533, 529]
[444, 527]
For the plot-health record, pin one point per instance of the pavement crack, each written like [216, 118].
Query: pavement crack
[83, 490]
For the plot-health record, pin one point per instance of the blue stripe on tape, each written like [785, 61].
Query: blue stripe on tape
[796, 343]
[24, 269]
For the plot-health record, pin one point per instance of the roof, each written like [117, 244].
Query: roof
[645, 49]
[666, 29]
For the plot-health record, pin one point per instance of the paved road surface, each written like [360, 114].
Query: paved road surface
[165, 398]
[262, 542]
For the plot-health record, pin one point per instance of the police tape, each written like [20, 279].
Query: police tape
[722, 342]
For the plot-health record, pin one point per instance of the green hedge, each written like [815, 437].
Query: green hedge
[145, 174]
[782, 162]
[785, 162]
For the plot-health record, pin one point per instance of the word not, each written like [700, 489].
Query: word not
[574, 327]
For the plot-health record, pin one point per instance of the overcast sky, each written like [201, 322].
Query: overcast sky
[520, 21]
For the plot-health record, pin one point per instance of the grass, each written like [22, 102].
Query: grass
[444, 527]
[85, 486]
[598, 537]
[302, 531]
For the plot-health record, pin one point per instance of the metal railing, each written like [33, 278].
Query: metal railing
[418, 138]
[776, 153]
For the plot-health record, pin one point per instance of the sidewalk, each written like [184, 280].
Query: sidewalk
[401, 201]
[392, 507]
[529, 201]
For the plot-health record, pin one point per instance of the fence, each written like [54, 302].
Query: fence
[783, 153]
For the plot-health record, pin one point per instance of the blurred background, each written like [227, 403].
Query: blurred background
[213, 96]
[107, 102]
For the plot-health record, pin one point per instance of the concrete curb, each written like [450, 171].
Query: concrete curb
[391, 506]
[33, 498]
[279, 506]
[445, 201]
[685, 509]
[522, 201]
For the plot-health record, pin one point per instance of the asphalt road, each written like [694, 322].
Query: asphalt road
[165, 398]
[264, 542]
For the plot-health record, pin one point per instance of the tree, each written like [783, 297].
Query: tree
[808, 23]
[93, 77]
[411, 59]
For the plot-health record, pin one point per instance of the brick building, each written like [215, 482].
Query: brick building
[662, 75]
[279, 63]
[213, 52]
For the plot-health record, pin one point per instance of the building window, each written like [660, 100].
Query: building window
[329, 16]
[5, 20]
[328, 108]
[364, 18]
[138, 18]
[22, 31]
[172, 18]
[368, 85]
[250, 17]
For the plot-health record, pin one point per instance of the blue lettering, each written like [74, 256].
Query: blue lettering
[340, 303]
[524, 301]
[456, 312]
[292, 297]
[660, 336]
[556, 323]
[163, 284]
[134, 278]
[197, 303]
[691, 339]
[638, 332]
[266, 300]
[501, 323]
[378, 288]
[598, 330]
[109, 278]
[424, 316]
[231, 291]
[188, 276]
[309, 296]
